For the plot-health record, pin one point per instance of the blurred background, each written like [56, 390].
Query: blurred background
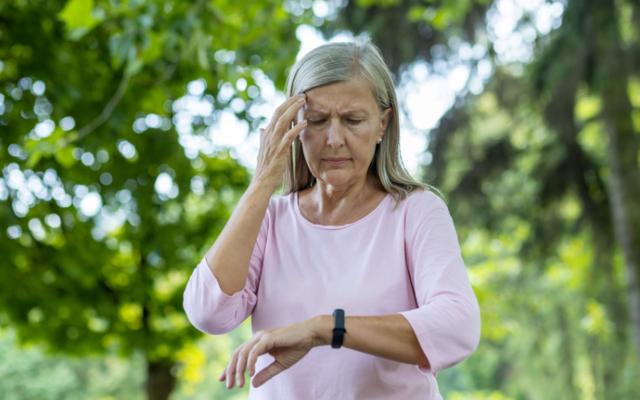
[128, 133]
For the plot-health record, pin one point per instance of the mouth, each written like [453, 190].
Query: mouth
[336, 162]
[335, 159]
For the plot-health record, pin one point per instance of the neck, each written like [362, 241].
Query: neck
[328, 198]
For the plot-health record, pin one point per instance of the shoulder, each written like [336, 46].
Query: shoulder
[423, 209]
[427, 215]
[280, 204]
[423, 201]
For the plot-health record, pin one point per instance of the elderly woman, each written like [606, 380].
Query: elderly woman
[353, 277]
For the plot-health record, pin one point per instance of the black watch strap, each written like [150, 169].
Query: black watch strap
[338, 328]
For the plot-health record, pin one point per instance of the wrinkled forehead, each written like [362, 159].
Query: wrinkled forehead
[354, 95]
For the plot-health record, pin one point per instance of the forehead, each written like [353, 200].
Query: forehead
[351, 95]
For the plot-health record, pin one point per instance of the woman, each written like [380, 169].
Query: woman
[353, 234]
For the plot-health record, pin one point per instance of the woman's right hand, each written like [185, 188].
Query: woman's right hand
[275, 142]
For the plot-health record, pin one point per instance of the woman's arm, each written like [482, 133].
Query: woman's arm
[388, 336]
[229, 256]
[221, 291]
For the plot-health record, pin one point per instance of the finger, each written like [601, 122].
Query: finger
[240, 367]
[283, 123]
[221, 377]
[234, 373]
[294, 132]
[282, 108]
[229, 377]
[230, 371]
[284, 112]
[243, 356]
[267, 373]
[259, 349]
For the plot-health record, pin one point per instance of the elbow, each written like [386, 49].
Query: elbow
[473, 323]
[464, 338]
[206, 322]
[465, 330]
[451, 333]
[206, 326]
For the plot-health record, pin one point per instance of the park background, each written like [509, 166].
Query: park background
[128, 133]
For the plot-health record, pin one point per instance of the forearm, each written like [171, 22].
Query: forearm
[229, 256]
[388, 336]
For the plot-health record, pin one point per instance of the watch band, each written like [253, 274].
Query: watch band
[338, 328]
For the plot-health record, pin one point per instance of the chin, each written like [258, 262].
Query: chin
[337, 178]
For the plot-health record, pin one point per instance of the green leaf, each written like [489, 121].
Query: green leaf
[65, 156]
[134, 66]
[78, 17]
[416, 13]
[34, 158]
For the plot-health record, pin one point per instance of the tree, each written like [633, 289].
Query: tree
[110, 209]
[527, 179]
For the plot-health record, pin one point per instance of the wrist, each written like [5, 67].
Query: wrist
[322, 330]
[264, 182]
[261, 186]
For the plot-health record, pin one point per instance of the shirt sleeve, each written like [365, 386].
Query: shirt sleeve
[213, 311]
[447, 320]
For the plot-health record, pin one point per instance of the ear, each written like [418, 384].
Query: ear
[385, 119]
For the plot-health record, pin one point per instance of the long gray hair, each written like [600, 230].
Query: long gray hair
[336, 62]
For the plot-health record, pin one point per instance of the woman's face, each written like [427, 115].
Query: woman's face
[344, 125]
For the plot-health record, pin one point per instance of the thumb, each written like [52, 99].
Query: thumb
[267, 373]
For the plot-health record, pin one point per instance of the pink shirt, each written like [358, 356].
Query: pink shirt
[404, 261]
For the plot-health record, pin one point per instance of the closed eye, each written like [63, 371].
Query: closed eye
[353, 121]
[316, 121]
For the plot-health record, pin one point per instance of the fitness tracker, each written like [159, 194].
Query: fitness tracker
[338, 328]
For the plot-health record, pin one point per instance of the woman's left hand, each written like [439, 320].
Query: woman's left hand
[287, 345]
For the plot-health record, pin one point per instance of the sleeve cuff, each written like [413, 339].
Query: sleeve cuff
[414, 318]
[208, 308]
[210, 280]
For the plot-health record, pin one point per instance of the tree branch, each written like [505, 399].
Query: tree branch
[111, 105]
[104, 115]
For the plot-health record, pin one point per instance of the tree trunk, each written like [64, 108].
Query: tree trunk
[567, 354]
[622, 150]
[160, 381]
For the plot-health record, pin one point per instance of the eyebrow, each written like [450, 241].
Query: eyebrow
[350, 111]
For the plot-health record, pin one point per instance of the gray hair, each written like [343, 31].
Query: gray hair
[337, 62]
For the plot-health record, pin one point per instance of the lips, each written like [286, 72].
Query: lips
[335, 162]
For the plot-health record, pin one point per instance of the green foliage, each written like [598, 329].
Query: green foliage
[106, 209]
[526, 170]
[78, 17]
[524, 165]
[30, 373]
[549, 286]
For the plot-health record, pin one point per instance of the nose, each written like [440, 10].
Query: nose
[335, 134]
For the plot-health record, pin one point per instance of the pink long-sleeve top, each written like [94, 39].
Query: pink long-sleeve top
[405, 260]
